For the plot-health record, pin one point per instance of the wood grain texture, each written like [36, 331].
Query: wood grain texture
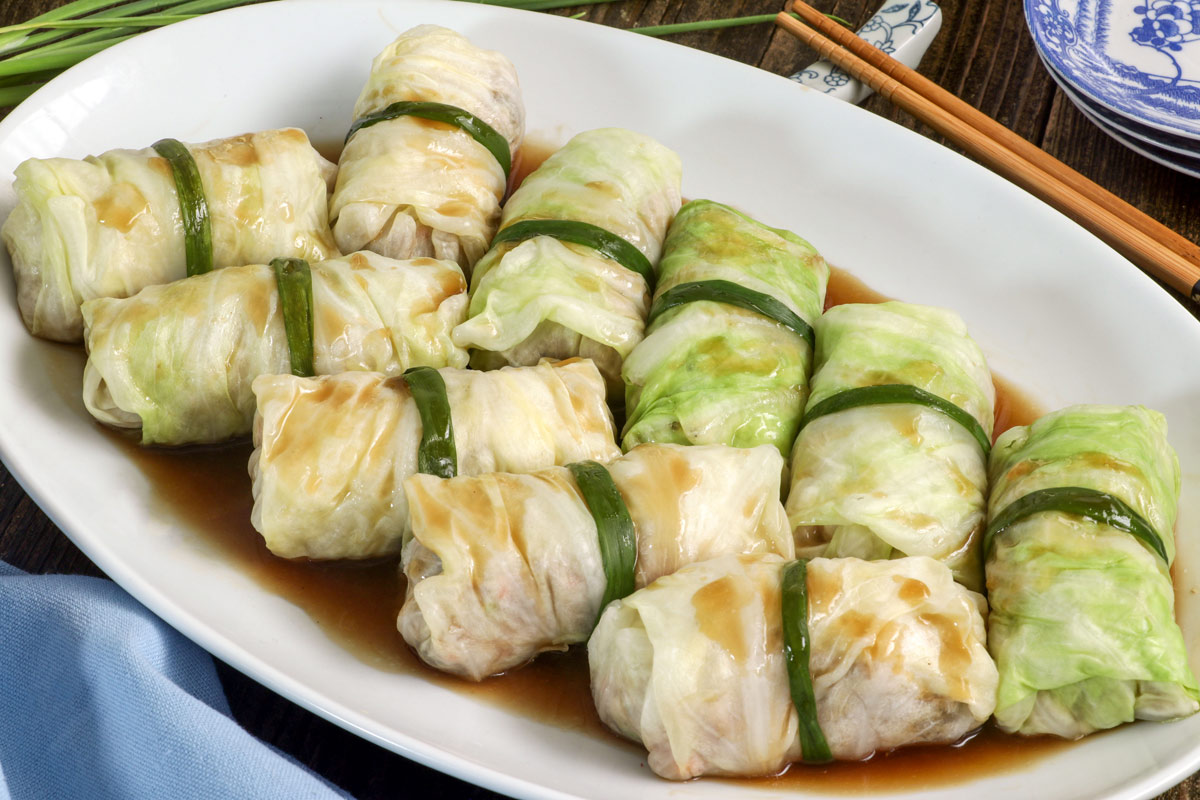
[983, 54]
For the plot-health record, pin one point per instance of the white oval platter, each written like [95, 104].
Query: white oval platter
[1056, 311]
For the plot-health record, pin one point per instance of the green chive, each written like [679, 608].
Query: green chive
[897, 393]
[719, 291]
[704, 25]
[1091, 504]
[436, 455]
[618, 539]
[796, 650]
[604, 242]
[193, 208]
[293, 279]
[479, 130]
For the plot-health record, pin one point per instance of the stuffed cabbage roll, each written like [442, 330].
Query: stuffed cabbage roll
[711, 371]
[891, 458]
[693, 666]
[502, 567]
[178, 360]
[416, 186]
[110, 225]
[1082, 514]
[332, 453]
[546, 294]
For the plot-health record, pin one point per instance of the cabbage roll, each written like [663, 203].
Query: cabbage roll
[502, 567]
[178, 360]
[411, 186]
[693, 666]
[894, 477]
[1083, 627]
[332, 453]
[710, 371]
[110, 225]
[546, 296]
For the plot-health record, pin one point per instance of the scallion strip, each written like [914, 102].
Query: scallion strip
[436, 454]
[193, 207]
[897, 393]
[718, 291]
[606, 243]
[294, 281]
[479, 130]
[1097, 506]
[796, 646]
[614, 527]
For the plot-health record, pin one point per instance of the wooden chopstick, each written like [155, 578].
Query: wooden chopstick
[1149, 244]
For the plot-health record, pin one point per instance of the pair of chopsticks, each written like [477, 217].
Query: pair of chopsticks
[1152, 246]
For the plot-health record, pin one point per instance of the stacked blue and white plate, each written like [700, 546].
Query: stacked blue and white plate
[1131, 66]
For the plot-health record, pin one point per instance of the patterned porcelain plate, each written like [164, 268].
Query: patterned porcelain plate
[1168, 158]
[1181, 147]
[1138, 58]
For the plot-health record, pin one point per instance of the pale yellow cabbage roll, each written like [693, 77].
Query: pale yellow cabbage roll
[415, 187]
[693, 666]
[502, 567]
[332, 453]
[891, 479]
[544, 296]
[178, 360]
[110, 225]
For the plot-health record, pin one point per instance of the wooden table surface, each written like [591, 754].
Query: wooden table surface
[983, 54]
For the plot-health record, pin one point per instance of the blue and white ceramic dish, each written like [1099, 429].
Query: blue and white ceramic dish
[1137, 58]
[1168, 158]
[1125, 129]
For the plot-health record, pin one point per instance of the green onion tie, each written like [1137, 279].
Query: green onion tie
[293, 279]
[614, 527]
[436, 455]
[606, 243]
[719, 291]
[193, 207]
[897, 393]
[1097, 506]
[796, 645]
[479, 130]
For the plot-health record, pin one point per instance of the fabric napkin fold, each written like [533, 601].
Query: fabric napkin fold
[99, 699]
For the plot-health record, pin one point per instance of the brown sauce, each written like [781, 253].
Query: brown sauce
[915, 769]
[207, 490]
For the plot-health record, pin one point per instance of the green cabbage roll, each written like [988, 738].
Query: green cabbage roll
[332, 452]
[1083, 627]
[110, 225]
[411, 186]
[545, 296]
[711, 372]
[889, 479]
[693, 666]
[502, 567]
[178, 360]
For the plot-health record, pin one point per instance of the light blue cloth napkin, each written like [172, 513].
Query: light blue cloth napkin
[101, 699]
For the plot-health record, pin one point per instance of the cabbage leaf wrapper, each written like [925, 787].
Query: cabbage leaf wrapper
[546, 297]
[179, 360]
[882, 481]
[1083, 615]
[693, 666]
[111, 225]
[408, 186]
[714, 373]
[332, 452]
[502, 567]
